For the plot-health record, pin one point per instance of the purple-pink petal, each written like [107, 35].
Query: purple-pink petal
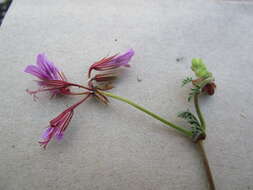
[33, 70]
[123, 60]
[47, 67]
[44, 69]
[59, 135]
[47, 133]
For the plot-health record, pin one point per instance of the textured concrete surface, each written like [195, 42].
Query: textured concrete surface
[117, 147]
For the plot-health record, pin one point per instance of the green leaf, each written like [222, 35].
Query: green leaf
[194, 91]
[194, 123]
[190, 118]
[186, 81]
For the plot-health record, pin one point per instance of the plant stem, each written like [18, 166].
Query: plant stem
[200, 115]
[201, 146]
[206, 165]
[181, 129]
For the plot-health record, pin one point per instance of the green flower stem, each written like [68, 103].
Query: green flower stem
[181, 129]
[196, 102]
[201, 146]
[200, 115]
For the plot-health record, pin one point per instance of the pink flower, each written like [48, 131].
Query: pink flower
[51, 79]
[44, 69]
[102, 81]
[59, 124]
[112, 62]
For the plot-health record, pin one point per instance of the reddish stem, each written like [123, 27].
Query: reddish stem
[206, 165]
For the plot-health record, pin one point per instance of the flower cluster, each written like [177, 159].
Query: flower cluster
[53, 80]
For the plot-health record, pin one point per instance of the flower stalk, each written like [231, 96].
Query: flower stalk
[157, 117]
[206, 165]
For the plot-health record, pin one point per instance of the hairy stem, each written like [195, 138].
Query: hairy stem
[201, 146]
[166, 122]
[206, 165]
[200, 115]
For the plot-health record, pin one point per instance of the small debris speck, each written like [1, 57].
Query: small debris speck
[179, 59]
[139, 79]
[13, 146]
[243, 115]
[116, 40]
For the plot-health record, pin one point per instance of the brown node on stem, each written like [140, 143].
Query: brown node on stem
[200, 137]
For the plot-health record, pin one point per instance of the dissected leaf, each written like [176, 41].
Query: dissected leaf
[190, 118]
[194, 91]
[186, 81]
[194, 123]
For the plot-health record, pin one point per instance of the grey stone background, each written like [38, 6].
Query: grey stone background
[115, 146]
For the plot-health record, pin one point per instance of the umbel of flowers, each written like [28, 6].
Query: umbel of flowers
[52, 79]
